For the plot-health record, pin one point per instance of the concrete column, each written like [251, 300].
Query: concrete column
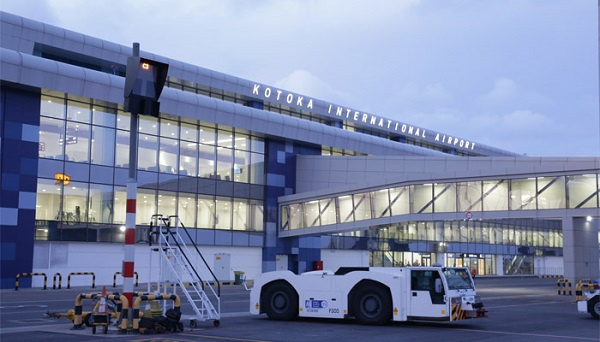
[499, 264]
[441, 259]
[580, 248]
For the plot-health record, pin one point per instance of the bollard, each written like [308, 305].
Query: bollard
[123, 307]
[150, 296]
[59, 281]
[81, 273]
[137, 278]
[19, 275]
[562, 287]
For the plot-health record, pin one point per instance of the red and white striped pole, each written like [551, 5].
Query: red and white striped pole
[129, 258]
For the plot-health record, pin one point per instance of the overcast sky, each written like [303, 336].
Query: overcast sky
[520, 75]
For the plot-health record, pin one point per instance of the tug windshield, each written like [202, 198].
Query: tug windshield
[458, 278]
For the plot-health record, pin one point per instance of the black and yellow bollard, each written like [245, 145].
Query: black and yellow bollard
[81, 273]
[562, 287]
[59, 281]
[19, 275]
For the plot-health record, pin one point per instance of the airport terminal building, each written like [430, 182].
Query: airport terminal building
[263, 178]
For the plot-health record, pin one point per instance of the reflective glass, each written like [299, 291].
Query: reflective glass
[311, 212]
[346, 208]
[224, 163]
[256, 209]
[551, 192]
[296, 218]
[101, 203]
[75, 201]
[168, 155]
[223, 213]
[206, 212]
[445, 198]
[123, 120]
[362, 206]
[53, 107]
[225, 138]
[422, 196]
[104, 116]
[169, 129]
[122, 149]
[241, 165]
[206, 161]
[583, 191]
[47, 206]
[495, 195]
[207, 135]
[188, 161]
[167, 203]
[241, 215]
[120, 204]
[381, 203]
[189, 132]
[52, 133]
[148, 146]
[77, 111]
[469, 196]
[327, 207]
[257, 169]
[77, 142]
[147, 125]
[399, 200]
[145, 206]
[103, 145]
[522, 194]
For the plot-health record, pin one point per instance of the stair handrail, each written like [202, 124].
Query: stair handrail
[197, 251]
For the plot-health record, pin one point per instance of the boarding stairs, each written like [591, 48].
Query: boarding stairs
[182, 265]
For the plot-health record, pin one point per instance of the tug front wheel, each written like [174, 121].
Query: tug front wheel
[280, 301]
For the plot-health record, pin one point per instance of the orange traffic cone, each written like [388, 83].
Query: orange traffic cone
[102, 306]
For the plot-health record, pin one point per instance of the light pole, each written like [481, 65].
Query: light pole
[144, 81]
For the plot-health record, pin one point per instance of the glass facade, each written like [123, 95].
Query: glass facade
[538, 193]
[84, 156]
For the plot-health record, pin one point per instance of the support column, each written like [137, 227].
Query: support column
[580, 248]
[499, 264]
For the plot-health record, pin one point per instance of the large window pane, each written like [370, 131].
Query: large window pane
[327, 207]
[186, 209]
[147, 125]
[400, 200]
[381, 203]
[256, 210]
[189, 132]
[422, 196]
[104, 116]
[122, 149]
[53, 107]
[583, 191]
[495, 195]
[207, 135]
[224, 163]
[168, 155]
[188, 162]
[47, 200]
[257, 169]
[148, 146]
[223, 213]
[362, 206]
[522, 194]
[241, 215]
[241, 165]
[101, 203]
[346, 208]
[257, 144]
[445, 198]
[103, 146]
[242, 142]
[167, 203]
[311, 212]
[551, 193]
[469, 196]
[169, 129]
[120, 205]
[206, 161]
[75, 205]
[296, 219]
[77, 142]
[206, 212]
[52, 132]
[123, 120]
[224, 138]
[77, 111]
[145, 206]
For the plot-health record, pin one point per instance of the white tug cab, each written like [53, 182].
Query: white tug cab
[372, 295]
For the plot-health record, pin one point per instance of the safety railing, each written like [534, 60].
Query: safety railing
[19, 275]
[81, 273]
